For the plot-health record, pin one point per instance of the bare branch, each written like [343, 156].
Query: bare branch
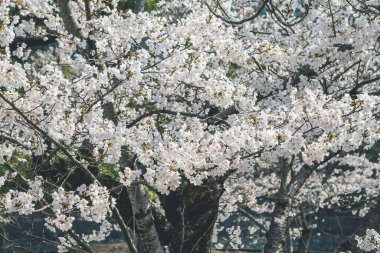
[354, 90]
[239, 22]
[251, 218]
[124, 228]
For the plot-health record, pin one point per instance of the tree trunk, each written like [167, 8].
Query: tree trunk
[277, 234]
[192, 212]
[144, 220]
[289, 245]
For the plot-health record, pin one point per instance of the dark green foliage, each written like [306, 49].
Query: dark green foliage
[150, 5]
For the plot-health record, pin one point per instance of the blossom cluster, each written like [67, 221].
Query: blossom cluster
[370, 241]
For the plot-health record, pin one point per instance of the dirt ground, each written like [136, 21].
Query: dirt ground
[122, 248]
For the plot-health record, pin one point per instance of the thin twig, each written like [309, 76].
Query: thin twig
[239, 22]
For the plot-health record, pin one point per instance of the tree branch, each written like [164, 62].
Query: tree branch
[303, 174]
[251, 218]
[162, 111]
[14, 141]
[239, 22]
[69, 20]
[354, 90]
[80, 242]
[124, 228]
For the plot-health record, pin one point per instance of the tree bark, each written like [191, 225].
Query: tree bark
[69, 20]
[277, 234]
[192, 212]
[144, 220]
[278, 230]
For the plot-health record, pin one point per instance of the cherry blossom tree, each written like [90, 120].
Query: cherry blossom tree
[164, 122]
